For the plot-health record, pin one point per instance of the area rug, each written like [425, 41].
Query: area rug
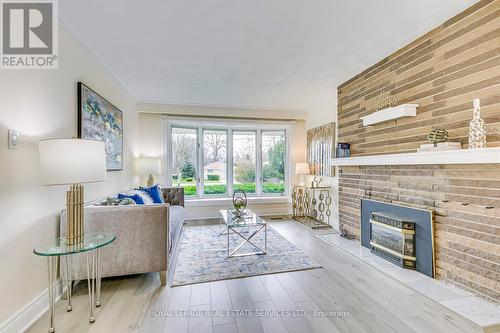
[202, 256]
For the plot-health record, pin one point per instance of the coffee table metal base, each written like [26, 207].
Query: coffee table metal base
[233, 254]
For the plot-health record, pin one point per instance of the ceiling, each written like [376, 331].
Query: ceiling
[283, 54]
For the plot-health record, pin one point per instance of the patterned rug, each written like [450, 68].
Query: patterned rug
[203, 256]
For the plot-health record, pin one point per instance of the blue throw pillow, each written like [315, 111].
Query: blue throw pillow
[137, 198]
[154, 192]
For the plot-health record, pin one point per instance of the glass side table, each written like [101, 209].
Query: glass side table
[91, 245]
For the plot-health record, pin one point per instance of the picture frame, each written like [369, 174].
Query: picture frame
[98, 119]
[321, 150]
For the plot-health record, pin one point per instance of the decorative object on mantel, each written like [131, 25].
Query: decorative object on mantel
[311, 206]
[343, 150]
[302, 169]
[100, 120]
[438, 138]
[321, 150]
[239, 203]
[477, 128]
[437, 135]
[439, 147]
[391, 113]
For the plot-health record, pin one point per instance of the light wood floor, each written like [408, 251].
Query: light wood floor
[375, 301]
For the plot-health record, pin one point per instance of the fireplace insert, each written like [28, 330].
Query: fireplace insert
[393, 239]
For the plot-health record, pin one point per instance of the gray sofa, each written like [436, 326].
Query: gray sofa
[145, 236]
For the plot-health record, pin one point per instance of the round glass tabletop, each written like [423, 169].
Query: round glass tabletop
[91, 241]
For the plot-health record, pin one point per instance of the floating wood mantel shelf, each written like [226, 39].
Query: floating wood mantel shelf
[462, 156]
[395, 112]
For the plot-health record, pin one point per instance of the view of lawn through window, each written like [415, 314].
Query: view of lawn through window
[273, 161]
[200, 157]
[244, 166]
[184, 143]
[214, 162]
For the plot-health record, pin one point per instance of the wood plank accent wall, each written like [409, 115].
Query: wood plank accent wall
[442, 71]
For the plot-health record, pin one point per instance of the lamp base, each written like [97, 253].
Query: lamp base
[151, 181]
[74, 214]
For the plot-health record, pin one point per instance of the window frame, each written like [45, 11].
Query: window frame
[197, 157]
[256, 193]
[202, 155]
[286, 157]
[229, 126]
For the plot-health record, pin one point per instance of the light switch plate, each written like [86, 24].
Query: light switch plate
[13, 141]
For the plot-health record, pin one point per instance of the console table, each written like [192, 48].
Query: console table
[311, 206]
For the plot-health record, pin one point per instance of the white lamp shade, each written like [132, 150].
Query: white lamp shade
[150, 166]
[301, 169]
[72, 161]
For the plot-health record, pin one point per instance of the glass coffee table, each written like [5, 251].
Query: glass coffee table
[242, 226]
[91, 245]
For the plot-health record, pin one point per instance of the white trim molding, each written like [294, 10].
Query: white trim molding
[30, 313]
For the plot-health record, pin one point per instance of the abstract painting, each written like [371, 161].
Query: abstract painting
[100, 120]
[321, 149]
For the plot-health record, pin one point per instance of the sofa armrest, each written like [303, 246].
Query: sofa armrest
[141, 243]
[173, 195]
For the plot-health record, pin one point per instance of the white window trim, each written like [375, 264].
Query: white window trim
[230, 125]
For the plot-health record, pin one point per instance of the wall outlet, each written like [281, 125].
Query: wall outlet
[13, 140]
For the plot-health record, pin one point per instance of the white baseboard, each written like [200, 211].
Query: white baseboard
[29, 313]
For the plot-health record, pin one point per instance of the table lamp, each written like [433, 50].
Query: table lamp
[302, 169]
[150, 166]
[72, 162]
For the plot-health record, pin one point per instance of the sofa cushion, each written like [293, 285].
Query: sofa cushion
[154, 192]
[173, 195]
[114, 201]
[144, 196]
[135, 197]
[177, 214]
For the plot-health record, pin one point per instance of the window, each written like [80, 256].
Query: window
[273, 161]
[214, 165]
[213, 158]
[184, 161]
[244, 161]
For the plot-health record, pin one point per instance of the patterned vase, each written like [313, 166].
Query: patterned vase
[477, 128]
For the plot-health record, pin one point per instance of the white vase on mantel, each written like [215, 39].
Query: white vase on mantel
[477, 128]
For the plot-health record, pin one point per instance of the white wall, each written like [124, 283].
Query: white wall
[324, 114]
[42, 104]
[151, 144]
